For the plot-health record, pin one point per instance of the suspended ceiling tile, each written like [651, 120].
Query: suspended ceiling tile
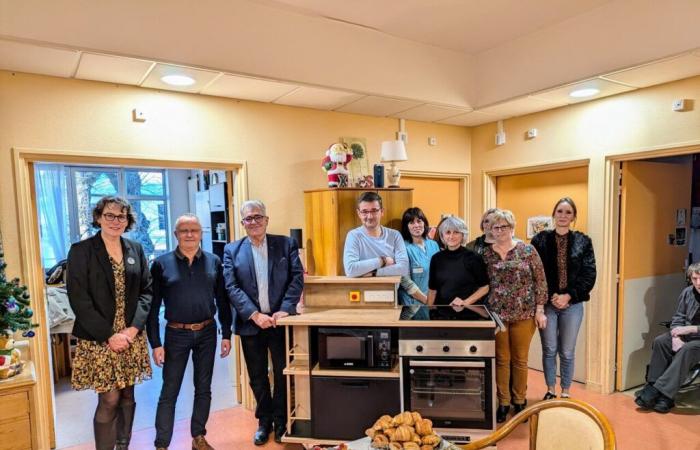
[520, 107]
[247, 88]
[470, 119]
[430, 113]
[201, 77]
[683, 66]
[21, 57]
[378, 106]
[317, 98]
[112, 69]
[561, 95]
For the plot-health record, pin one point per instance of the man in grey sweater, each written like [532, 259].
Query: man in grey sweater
[675, 352]
[371, 249]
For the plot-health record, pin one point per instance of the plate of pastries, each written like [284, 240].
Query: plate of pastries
[405, 431]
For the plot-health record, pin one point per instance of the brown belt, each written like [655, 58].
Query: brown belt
[190, 326]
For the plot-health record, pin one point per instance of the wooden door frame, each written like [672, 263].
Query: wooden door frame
[463, 178]
[611, 257]
[23, 160]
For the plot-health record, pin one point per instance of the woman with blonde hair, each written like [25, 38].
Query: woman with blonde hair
[518, 293]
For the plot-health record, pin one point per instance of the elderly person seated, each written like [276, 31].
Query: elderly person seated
[674, 352]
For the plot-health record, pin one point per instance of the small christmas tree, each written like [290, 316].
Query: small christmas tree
[15, 313]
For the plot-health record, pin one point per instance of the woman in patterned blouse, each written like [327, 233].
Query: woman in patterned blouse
[109, 288]
[518, 293]
[569, 264]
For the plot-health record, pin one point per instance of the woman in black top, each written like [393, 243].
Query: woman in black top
[569, 265]
[457, 275]
[109, 288]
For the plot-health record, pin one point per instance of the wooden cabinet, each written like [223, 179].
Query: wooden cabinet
[331, 213]
[15, 415]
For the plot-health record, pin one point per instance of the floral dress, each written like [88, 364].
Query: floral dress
[97, 367]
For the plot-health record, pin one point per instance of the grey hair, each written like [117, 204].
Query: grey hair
[186, 216]
[453, 223]
[504, 215]
[693, 268]
[253, 204]
[487, 213]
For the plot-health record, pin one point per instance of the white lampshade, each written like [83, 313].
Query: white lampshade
[393, 151]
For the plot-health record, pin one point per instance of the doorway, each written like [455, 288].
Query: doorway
[25, 162]
[531, 195]
[654, 233]
[438, 194]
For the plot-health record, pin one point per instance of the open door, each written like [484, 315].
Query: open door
[651, 268]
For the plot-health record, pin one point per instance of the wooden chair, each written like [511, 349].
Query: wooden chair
[557, 424]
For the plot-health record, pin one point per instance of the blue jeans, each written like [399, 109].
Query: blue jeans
[559, 337]
[178, 345]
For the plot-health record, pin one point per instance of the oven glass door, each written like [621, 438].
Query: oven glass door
[453, 393]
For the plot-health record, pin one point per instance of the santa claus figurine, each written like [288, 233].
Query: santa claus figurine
[335, 165]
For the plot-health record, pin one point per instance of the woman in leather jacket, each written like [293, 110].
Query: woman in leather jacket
[569, 265]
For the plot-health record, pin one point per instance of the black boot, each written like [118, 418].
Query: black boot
[125, 421]
[105, 435]
[502, 413]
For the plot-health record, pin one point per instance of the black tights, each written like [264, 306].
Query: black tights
[108, 402]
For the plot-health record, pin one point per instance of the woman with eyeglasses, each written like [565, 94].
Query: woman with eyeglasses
[569, 264]
[109, 287]
[518, 294]
[420, 249]
[457, 275]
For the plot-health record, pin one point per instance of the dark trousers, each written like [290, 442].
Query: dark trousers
[271, 406]
[668, 370]
[178, 345]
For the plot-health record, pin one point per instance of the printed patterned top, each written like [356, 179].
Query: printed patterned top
[517, 283]
[562, 248]
[97, 367]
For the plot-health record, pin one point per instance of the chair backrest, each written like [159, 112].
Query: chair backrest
[558, 424]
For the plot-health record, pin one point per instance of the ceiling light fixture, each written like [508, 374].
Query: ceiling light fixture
[177, 80]
[585, 92]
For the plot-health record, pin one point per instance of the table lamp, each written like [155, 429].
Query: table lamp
[393, 151]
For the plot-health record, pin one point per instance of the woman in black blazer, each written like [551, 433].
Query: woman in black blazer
[569, 265]
[109, 287]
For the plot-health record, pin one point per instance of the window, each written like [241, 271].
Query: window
[66, 196]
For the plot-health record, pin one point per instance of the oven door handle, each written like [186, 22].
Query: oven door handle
[424, 363]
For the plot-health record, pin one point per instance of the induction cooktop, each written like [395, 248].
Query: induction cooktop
[446, 312]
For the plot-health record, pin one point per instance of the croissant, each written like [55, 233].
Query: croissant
[426, 447]
[415, 438]
[431, 439]
[403, 433]
[389, 432]
[424, 427]
[416, 416]
[380, 441]
[385, 424]
[371, 432]
[410, 446]
[395, 446]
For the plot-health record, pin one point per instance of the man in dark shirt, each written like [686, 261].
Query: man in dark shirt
[189, 281]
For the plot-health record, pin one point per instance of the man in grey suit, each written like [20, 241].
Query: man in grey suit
[264, 280]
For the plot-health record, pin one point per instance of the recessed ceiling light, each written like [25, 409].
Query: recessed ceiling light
[585, 92]
[177, 80]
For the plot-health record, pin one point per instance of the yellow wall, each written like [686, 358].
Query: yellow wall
[436, 196]
[283, 146]
[534, 194]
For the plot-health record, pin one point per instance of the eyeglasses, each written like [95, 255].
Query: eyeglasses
[109, 217]
[189, 231]
[499, 228]
[256, 218]
[369, 212]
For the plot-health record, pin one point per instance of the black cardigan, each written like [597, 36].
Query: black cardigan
[91, 291]
[580, 264]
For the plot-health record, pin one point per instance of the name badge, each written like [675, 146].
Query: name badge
[417, 270]
[130, 260]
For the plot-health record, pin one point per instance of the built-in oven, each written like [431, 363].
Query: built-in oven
[447, 370]
[354, 348]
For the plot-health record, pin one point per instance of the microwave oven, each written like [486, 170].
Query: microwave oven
[354, 348]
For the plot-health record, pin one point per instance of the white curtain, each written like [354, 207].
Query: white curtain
[53, 215]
